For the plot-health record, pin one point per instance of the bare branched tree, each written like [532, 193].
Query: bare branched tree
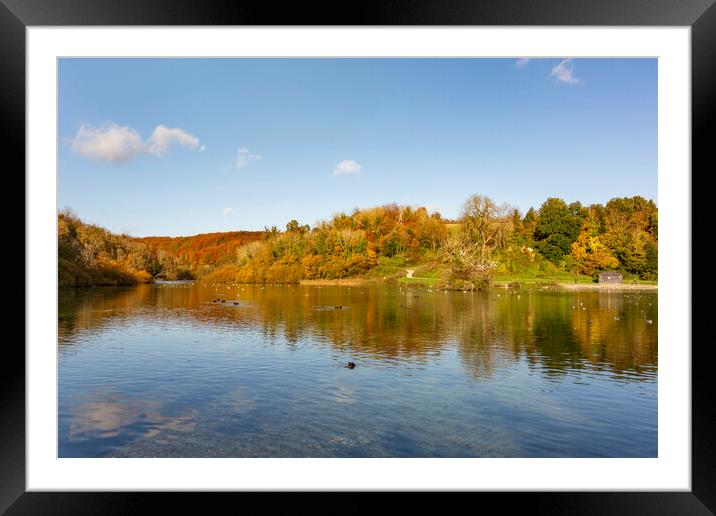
[487, 224]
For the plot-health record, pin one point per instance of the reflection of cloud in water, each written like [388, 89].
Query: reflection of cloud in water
[108, 419]
[102, 419]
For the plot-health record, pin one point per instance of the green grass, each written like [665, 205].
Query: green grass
[637, 281]
[533, 277]
[429, 270]
[391, 265]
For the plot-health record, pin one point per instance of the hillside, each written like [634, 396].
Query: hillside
[89, 255]
[557, 242]
[193, 256]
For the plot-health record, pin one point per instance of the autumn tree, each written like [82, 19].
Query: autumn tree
[631, 228]
[589, 250]
[90, 255]
[433, 232]
[293, 226]
[270, 232]
[528, 226]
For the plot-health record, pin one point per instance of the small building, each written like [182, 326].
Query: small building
[610, 277]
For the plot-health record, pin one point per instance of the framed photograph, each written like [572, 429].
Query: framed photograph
[402, 252]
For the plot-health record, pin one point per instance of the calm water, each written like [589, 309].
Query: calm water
[162, 371]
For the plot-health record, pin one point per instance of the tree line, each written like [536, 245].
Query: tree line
[487, 239]
[345, 246]
[89, 255]
[621, 235]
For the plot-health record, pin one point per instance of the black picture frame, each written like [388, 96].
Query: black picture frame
[700, 15]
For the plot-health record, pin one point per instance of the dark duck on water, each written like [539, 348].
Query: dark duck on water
[350, 365]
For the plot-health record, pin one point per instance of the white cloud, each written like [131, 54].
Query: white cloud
[564, 73]
[111, 142]
[117, 143]
[347, 166]
[162, 137]
[228, 211]
[244, 157]
[522, 62]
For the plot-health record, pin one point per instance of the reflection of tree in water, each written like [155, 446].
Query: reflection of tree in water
[554, 332]
[478, 334]
[83, 309]
[618, 332]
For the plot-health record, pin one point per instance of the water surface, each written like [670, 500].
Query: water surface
[165, 371]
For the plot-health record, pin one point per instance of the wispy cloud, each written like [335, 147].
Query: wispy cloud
[564, 73]
[522, 62]
[347, 167]
[244, 157]
[163, 137]
[229, 212]
[118, 144]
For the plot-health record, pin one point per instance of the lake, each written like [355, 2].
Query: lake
[164, 370]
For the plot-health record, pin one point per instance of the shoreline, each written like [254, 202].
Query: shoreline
[360, 282]
[346, 282]
[607, 286]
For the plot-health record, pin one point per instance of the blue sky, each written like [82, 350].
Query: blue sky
[185, 146]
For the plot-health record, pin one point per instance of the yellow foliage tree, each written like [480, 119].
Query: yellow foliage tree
[590, 252]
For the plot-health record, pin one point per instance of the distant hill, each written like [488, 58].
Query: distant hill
[90, 255]
[199, 254]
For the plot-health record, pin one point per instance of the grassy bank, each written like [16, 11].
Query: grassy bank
[609, 286]
[429, 275]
